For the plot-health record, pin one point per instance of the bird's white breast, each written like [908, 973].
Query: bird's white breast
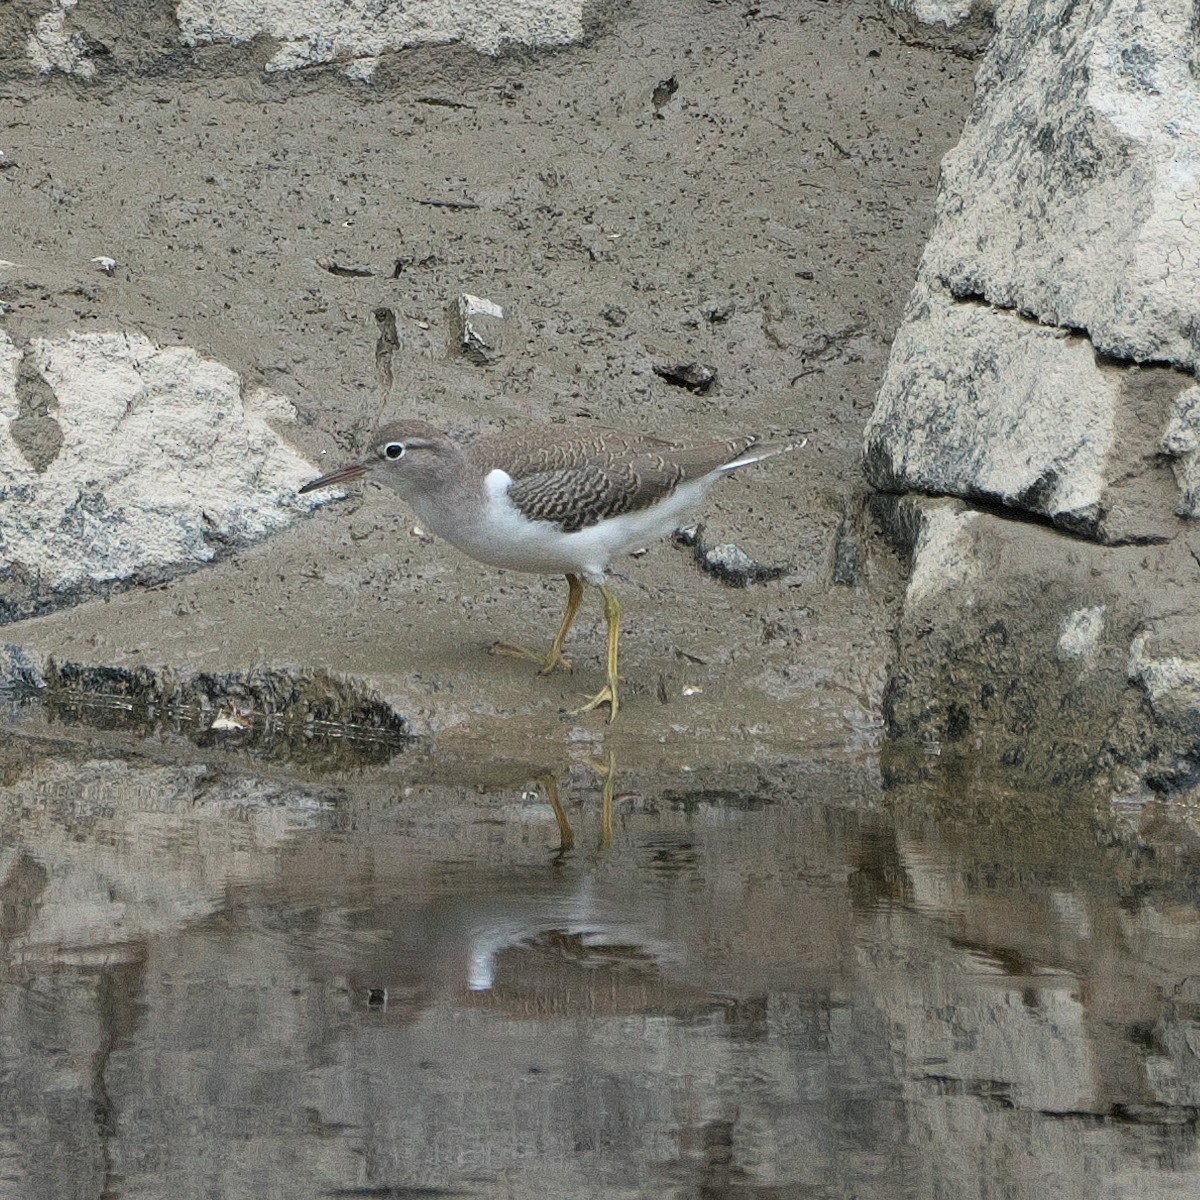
[504, 537]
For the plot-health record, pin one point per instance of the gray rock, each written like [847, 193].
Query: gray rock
[1013, 646]
[727, 561]
[1018, 646]
[19, 668]
[158, 464]
[695, 376]
[848, 567]
[981, 403]
[1073, 194]
[1181, 442]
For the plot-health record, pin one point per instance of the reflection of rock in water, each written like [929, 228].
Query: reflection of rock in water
[290, 715]
[106, 852]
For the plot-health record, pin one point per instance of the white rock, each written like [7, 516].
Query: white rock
[964, 26]
[477, 306]
[1081, 633]
[944, 557]
[480, 327]
[1171, 681]
[354, 34]
[161, 463]
[51, 48]
[949, 13]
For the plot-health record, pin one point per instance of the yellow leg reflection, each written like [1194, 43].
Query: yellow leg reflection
[609, 771]
[566, 835]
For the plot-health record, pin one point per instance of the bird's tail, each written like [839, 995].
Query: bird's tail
[757, 451]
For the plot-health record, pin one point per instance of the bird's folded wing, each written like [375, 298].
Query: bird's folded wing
[575, 498]
[557, 448]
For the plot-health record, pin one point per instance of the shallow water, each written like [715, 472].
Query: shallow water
[772, 980]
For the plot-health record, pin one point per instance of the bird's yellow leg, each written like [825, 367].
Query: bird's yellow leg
[608, 694]
[554, 657]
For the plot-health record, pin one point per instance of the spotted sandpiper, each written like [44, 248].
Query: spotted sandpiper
[551, 499]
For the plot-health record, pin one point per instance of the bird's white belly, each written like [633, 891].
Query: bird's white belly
[503, 537]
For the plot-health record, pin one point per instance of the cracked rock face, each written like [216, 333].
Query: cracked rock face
[1046, 367]
[982, 403]
[1074, 192]
[1066, 254]
[124, 462]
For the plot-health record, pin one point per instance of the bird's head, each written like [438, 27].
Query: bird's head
[409, 456]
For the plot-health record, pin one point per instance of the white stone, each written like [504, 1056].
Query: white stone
[1171, 681]
[1081, 633]
[948, 13]
[480, 326]
[161, 462]
[962, 26]
[354, 34]
[944, 556]
[478, 306]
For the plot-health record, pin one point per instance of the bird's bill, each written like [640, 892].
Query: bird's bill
[346, 474]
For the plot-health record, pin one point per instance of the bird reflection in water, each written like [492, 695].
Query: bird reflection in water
[554, 943]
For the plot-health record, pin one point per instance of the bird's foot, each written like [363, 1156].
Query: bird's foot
[547, 663]
[606, 695]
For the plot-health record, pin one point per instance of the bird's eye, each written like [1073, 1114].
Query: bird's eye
[393, 450]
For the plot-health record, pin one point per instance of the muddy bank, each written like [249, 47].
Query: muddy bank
[763, 215]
